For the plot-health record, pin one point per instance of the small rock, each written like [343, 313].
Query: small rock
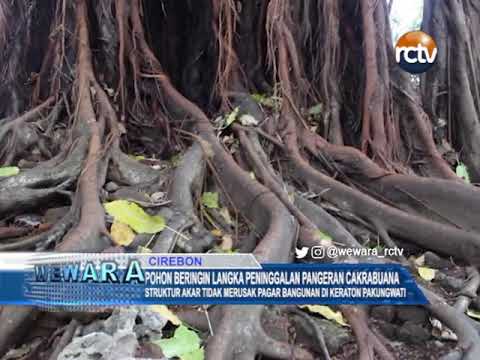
[100, 346]
[413, 314]
[383, 312]
[111, 186]
[413, 333]
[116, 337]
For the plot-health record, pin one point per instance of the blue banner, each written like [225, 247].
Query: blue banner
[84, 281]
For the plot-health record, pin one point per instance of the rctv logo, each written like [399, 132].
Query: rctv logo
[416, 52]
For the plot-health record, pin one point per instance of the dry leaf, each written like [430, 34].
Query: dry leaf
[327, 313]
[426, 273]
[473, 314]
[216, 232]
[165, 312]
[121, 234]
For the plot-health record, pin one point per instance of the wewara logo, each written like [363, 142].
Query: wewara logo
[415, 52]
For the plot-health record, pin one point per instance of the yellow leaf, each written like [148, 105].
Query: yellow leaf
[9, 171]
[166, 313]
[426, 273]
[210, 200]
[291, 197]
[327, 313]
[232, 117]
[121, 234]
[134, 216]
[473, 314]
[217, 232]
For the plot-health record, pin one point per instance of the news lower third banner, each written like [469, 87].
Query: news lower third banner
[85, 281]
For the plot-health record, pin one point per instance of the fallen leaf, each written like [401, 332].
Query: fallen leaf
[210, 200]
[109, 91]
[9, 171]
[232, 117]
[327, 313]
[134, 216]
[165, 312]
[121, 128]
[426, 273]
[216, 232]
[198, 354]
[268, 101]
[259, 98]
[473, 314]
[462, 172]
[182, 344]
[449, 335]
[291, 197]
[121, 233]
[442, 332]
[175, 160]
[315, 110]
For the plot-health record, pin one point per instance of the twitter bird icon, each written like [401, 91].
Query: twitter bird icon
[301, 253]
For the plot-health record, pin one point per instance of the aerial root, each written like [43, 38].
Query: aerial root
[241, 336]
[368, 342]
[45, 240]
[317, 331]
[269, 180]
[186, 186]
[67, 336]
[468, 336]
[20, 138]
